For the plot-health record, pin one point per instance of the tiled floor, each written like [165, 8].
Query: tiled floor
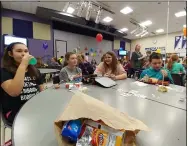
[8, 131]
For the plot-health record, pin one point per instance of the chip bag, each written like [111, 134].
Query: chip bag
[71, 130]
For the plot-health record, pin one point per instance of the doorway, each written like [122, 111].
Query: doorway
[60, 48]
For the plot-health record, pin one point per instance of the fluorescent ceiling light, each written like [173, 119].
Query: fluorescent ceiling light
[134, 31]
[107, 19]
[184, 25]
[180, 14]
[123, 29]
[159, 30]
[126, 10]
[141, 33]
[146, 23]
[70, 10]
[144, 34]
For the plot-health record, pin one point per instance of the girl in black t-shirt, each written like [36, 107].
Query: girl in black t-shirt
[19, 80]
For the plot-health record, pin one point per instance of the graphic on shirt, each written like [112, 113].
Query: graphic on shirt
[29, 90]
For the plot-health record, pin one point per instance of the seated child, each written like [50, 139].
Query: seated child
[156, 70]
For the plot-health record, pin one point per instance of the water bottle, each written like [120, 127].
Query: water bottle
[136, 75]
[32, 61]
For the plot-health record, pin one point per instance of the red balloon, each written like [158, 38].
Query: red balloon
[99, 37]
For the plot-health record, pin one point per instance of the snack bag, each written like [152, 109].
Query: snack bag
[86, 136]
[99, 137]
[71, 130]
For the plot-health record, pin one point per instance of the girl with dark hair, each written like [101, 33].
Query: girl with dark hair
[19, 80]
[111, 68]
[173, 66]
[70, 71]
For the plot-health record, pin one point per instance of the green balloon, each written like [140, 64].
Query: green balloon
[32, 61]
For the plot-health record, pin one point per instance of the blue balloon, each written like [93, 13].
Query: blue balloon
[91, 49]
[45, 45]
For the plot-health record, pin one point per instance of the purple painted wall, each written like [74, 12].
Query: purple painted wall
[36, 48]
[34, 45]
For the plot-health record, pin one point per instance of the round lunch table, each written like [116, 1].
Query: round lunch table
[175, 97]
[34, 124]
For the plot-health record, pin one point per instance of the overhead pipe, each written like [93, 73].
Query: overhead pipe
[99, 13]
[88, 13]
[80, 9]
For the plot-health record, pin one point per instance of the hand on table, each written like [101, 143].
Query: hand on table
[106, 75]
[113, 77]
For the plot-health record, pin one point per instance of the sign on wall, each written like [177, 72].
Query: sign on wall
[180, 44]
[153, 49]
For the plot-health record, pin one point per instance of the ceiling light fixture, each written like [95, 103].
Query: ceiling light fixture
[98, 17]
[80, 9]
[70, 10]
[132, 32]
[141, 33]
[66, 7]
[180, 14]
[144, 34]
[159, 30]
[126, 10]
[107, 19]
[123, 29]
[88, 13]
[139, 30]
[146, 23]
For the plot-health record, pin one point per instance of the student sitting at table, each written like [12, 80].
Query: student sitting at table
[85, 66]
[70, 71]
[156, 70]
[111, 68]
[54, 62]
[40, 64]
[19, 80]
[173, 66]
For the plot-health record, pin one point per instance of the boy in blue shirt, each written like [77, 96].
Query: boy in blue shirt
[156, 70]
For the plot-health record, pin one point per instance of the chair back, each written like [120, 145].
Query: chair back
[6, 123]
[178, 79]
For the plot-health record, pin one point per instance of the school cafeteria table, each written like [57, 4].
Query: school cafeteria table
[33, 125]
[48, 70]
[171, 98]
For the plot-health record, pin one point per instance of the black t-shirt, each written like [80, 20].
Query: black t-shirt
[30, 88]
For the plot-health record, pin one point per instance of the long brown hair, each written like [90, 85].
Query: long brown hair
[9, 63]
[113, 65]
[67, 56]
[172, 59]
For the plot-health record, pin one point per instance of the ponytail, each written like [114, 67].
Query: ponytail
[65, 63]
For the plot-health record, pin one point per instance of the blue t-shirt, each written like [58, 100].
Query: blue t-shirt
[152, 73]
